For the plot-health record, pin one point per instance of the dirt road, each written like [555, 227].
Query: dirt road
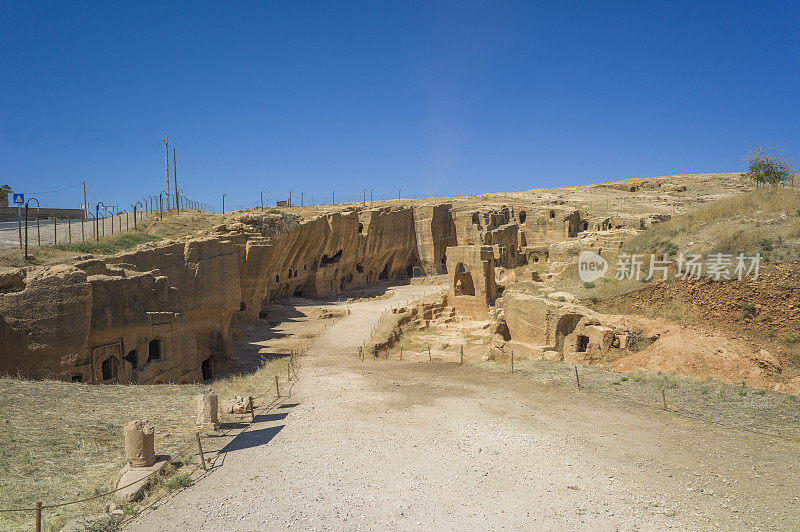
[432, 446]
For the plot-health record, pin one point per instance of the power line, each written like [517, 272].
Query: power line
[54, 191]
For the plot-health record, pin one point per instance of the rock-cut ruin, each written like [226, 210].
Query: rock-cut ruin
[168, 312]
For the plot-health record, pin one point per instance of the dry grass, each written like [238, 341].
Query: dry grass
[180, 225]
[63, 441]
[110, 245]
[706, 399]
[765, 221]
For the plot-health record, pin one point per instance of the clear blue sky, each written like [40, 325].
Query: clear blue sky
[436, 98]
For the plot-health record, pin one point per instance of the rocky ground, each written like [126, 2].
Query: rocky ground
[417, 445]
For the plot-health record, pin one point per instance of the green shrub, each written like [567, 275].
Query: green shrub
[181, 480]
[665, 247]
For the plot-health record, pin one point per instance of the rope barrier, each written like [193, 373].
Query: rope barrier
[270, 406]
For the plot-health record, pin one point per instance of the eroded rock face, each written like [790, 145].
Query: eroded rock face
[163, 313]
[45, 317]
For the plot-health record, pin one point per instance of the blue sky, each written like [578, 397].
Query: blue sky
[436, 98]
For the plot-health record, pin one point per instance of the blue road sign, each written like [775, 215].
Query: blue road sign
[19, 198]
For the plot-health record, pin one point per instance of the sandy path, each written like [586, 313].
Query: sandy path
[387, 445]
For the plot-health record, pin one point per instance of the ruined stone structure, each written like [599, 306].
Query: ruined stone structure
[164, 313]
[543, 327]
[471, 278]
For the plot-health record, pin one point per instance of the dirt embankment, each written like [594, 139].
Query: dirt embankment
[767, 307]
[730, 330]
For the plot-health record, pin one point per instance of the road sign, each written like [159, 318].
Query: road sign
[19, 199]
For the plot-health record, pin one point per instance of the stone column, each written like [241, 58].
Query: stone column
[207, 405]
[139, 443]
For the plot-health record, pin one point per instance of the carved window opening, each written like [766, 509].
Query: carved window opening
[110, 368]
[154, 350]
[463, 284]
[206, 369]
[582, 343]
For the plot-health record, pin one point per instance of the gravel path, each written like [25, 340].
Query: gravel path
[432, 446]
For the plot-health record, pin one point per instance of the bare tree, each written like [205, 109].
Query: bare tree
[767, 166]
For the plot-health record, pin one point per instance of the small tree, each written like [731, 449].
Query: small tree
[4, 192]
[768, 167]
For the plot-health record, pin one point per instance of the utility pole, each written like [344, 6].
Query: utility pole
[85, 205]
[19, 223]
[301, 198]
[290, 198]
[166, 150]
[175, 179]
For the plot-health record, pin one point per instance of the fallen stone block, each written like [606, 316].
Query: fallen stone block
[134, 480]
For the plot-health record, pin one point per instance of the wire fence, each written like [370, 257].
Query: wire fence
[37, 227]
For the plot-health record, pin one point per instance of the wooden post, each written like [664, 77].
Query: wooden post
[69, 229]
[577, 378]
[462, 355]
[664, 398]
[429, 354]
[277, 388]
[39, 516]
[253, 407]
[200, 450]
